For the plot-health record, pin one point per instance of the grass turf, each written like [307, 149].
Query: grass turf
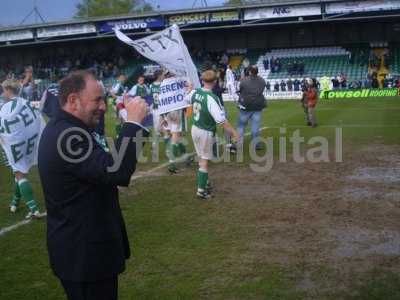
[186, 249]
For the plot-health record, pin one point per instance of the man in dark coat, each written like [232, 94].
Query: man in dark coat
[251, 103]
[86, 236]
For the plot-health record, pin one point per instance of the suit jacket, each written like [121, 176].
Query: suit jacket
[86, 235]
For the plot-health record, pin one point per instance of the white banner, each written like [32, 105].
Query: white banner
[284, 95]
[20, 130]
[168, 49]
[65, 30]
[16, 35]
[172, 95]
[360, 6]
[282, 12]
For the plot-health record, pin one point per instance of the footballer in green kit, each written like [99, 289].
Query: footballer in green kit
[12, 128]
[140, 89]
[159, 121]
[208, 113]
[116, 93]
[175, 123]
[155, 93]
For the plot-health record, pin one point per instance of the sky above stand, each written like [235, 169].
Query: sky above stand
[13, 12]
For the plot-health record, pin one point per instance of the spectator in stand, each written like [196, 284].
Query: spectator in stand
[387, 59]
[224, 59]
[335, 83]
[276, 86]
[266, 64]
[301, 68]
[296, 85]
[350, 56]
[268, 86]
[272, 64]
[283, 86]
[278, 65]
[375, 82]
[290, 85]
[290, 68]
[317, 85]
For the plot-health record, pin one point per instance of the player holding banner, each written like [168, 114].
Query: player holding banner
[175, 120]
[159, 120]
[208, 112]
[20, 130]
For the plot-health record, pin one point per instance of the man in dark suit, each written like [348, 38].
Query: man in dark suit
[86, 236]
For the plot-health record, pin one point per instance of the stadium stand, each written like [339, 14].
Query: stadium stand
[355, 63]
[318, 62]
[395, 66]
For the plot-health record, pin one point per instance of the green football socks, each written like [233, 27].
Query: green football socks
[17, 195]
[175, 150]
[167, 143]
[202, 179]
[182, 148]
[27, 194]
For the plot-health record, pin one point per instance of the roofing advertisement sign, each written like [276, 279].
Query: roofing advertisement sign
[286, 11]
[131, 24]
[361, 6]
[359, 94]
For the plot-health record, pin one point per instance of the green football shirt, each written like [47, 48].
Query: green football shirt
[207, 110]
[139, 90]
[155, 92]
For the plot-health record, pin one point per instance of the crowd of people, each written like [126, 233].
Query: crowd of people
[293, 67]
[336, 83]
[38, 73]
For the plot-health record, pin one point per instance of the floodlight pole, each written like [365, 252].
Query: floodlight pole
[202, 3]
[35, 11]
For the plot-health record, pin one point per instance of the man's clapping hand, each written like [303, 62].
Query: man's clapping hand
[137, 109]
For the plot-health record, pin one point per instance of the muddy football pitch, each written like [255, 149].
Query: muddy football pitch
[315, 221]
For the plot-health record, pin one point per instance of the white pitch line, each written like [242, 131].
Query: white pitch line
[5, 230]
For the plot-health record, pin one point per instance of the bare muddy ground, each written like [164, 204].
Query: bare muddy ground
[333, 221]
